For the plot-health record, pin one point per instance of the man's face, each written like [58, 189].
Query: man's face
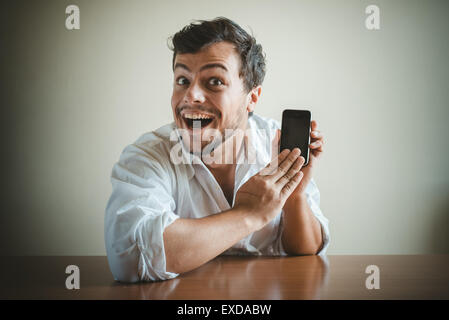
[207, 87]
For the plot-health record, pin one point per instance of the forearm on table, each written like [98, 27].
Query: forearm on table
[302, 230]
[189, 243]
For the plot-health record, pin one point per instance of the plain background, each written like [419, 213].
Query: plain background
[72, 100]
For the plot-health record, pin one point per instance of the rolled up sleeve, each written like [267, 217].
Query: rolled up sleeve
[141, 206]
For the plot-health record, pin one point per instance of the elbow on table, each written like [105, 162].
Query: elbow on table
[304, 250]
[128, 268]
[126, 277]
[173, 265]
[123, 268]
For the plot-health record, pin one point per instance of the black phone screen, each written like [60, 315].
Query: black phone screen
[295, 132]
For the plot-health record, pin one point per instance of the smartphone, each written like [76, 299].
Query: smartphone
[295, 132]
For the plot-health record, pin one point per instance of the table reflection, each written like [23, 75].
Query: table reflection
[244, 278]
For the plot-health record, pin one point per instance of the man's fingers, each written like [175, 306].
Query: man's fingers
[291, 185]
[316, 134]
[273, 165]
[286, 164]
[316, 144]
[317, 141]
[297, 165]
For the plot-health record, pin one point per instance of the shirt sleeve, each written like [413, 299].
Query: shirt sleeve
[141, 206]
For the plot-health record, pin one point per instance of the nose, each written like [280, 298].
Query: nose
[194, 94]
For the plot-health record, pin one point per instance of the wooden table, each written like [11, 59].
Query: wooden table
[306, 277]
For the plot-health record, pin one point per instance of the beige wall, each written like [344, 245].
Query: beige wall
[75, 99]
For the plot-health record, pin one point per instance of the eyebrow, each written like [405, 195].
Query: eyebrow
[207, 66]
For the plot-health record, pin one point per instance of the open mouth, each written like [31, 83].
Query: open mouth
[198, 119]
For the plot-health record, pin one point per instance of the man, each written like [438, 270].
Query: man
[166, 216]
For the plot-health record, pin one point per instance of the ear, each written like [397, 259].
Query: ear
[253, 97]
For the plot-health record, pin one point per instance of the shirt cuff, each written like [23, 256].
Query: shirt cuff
[150, 241]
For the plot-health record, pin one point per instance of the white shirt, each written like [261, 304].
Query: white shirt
[150, 192]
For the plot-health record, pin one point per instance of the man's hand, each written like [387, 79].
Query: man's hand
[264, 194]
[188, 243]
[302, 231]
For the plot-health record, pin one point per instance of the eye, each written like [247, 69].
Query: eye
[215, 82]
[182, 81]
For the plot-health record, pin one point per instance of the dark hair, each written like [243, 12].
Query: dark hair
[202, 33]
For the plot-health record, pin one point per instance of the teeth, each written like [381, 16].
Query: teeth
[196, 116]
